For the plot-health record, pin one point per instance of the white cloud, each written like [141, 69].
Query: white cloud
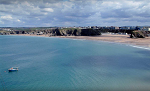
[75, 12]
[26, 3]
[45, 13]
[37, 18]
[49, 9]
[18, 20]
[55, 19]
[47, 24]
[7, 17]
[1, 22]
[72, 0]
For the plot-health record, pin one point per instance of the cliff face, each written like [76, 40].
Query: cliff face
[138, 34]
[90, 32]
[4, 33]
[70, 32]
[78, 32]
[62, 32]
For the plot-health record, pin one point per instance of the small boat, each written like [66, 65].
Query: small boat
[13, 69]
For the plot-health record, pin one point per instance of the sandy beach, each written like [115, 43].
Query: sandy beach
[124, 39]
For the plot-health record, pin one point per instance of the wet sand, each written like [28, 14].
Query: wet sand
[124, 39]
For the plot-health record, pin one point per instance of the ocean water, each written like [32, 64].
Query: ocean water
[55, 64]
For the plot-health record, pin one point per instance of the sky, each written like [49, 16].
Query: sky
[64, 13]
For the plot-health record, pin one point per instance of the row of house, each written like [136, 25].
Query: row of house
[98, 27]
[117, 28]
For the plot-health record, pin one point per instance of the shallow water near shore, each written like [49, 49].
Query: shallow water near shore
[71, 64]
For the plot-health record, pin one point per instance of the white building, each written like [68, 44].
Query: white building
[146, 29]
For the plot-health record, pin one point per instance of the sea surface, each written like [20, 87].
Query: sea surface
[57, 64]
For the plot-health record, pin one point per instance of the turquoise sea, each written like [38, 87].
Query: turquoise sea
[56, 64]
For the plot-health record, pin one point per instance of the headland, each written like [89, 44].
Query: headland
[131, 36]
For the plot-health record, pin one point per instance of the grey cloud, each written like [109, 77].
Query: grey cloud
[78, 12]
[145, 14]
[137, 19]
[6, 2]
[52, 1]
[117, 13]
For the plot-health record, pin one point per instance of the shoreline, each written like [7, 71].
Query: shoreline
[123, 39]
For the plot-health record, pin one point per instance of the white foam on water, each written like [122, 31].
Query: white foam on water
[146, 48]
[135, 46]
[80, 39]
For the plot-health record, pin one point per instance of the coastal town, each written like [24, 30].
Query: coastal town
[134, 35]
[145, 28]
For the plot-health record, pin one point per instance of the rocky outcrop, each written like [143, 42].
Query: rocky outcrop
[62, 32]
[138, 34]
[90, 32]
[74, 32]
[4, 33]
[70, 32]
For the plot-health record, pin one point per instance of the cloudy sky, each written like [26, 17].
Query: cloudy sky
[48, 13]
